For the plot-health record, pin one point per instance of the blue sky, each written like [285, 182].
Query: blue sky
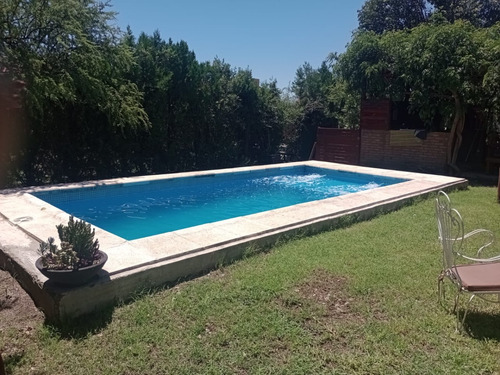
[270, 37]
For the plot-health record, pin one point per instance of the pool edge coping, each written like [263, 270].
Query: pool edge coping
[218, 251]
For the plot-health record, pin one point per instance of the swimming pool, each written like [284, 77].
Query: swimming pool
[151, 261]
[138, 210]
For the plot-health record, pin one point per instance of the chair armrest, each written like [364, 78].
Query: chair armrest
[478, 231]
[485, 238]
[481, 260]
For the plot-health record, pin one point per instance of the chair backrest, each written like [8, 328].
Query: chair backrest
[451, 229]
[443, 203]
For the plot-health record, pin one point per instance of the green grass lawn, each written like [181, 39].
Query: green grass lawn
[356, 300]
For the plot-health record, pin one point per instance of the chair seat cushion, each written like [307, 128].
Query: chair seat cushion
[480, 277]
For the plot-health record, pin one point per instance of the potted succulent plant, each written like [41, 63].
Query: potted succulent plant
[77, 259]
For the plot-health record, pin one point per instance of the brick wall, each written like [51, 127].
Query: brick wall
[400, 149]
[381, 147]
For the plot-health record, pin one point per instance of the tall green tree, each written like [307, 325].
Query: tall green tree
[444, 65]
[102, 103]
[481, 13]
[387, 15]
[216, 144]
[76, 97]
[364, 65]
[311, 88]
[70, 49]
[272, 120]
[444, 68]
[380, 16]
[203, 115]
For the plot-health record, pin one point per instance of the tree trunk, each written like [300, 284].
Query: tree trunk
[456, 131]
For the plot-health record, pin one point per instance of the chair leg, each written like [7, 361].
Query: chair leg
[442, 294]
[462, 325]
[457, 298]
[440, 290]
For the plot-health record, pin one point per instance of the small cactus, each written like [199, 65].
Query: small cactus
[78, 247]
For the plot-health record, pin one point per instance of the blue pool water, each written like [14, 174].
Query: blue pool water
[137, 210]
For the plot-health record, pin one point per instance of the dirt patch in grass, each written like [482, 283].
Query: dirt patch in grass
[323, 295]
[328, 290]
[323, 306]
[18, 317]
[17, 309]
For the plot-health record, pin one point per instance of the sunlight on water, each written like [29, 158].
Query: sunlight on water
[315, 185]
[310, 179]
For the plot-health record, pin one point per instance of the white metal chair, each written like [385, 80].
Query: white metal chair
[477, 274]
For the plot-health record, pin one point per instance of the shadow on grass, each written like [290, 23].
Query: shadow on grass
[481, 180]
[82, 326]
[93, 323]
[483, 325]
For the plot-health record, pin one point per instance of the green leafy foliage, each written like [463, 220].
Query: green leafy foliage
[67, 51]
[481, 13]
[311, 89]
[441, 56]
[387, 15]
[380, 16]
[99, 103]
[203, 115]
[364, 64]
[77, 98]
[442, 68]
[107, 105]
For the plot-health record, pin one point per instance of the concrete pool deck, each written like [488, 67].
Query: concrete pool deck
[152, 261]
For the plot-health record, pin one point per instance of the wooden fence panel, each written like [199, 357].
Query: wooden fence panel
[337, 145]
[375, 114]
